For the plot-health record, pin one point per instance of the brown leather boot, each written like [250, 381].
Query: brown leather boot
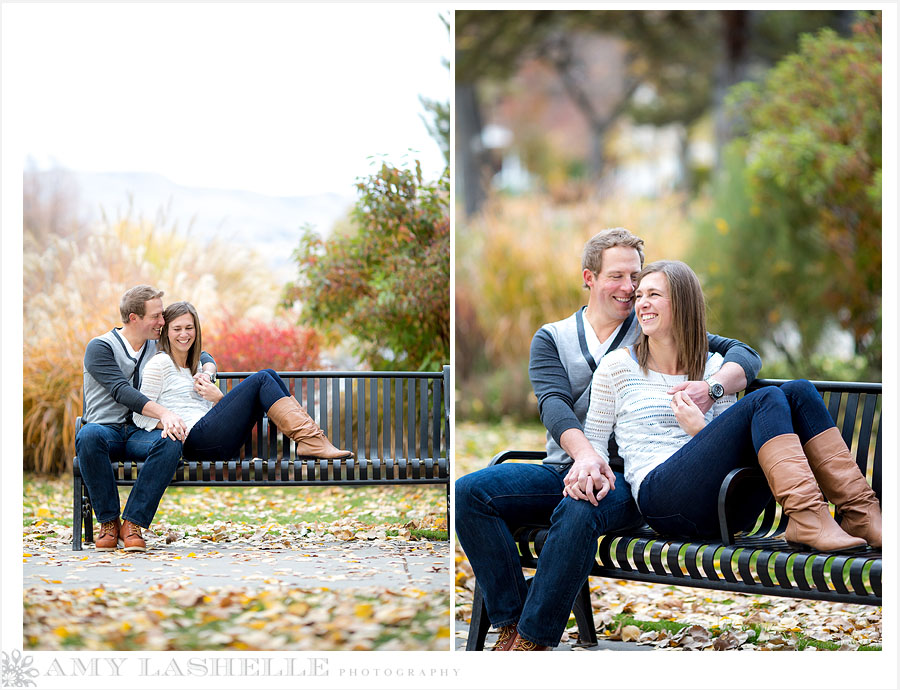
[131, 535]
[845, 486]
[522, 645]
[506, 639]
[109, 536]
[290, 417]
[794, 487]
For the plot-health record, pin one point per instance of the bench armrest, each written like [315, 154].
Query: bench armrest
[727, 490]
[517, 455]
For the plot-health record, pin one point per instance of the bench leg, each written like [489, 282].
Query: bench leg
[584, 617]
[480, 624]
[88, 511]
[77, 506]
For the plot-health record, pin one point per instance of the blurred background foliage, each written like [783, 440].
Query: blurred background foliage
[745, 142]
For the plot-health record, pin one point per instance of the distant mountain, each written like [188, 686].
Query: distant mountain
[269, 224]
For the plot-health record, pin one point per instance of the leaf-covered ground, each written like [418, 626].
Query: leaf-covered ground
[677, 618]
[263, 532]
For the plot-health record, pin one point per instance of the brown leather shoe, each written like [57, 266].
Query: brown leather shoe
[506, 638]
[523, 645]
[131, 535]
[109, 536]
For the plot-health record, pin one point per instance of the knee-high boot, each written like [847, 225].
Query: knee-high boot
[290, 417]
[794, 487]
[844, 485]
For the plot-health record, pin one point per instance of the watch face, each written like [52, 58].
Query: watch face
[717, 390]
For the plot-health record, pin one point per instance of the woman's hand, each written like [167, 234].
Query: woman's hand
[207, 391]
[689, 416]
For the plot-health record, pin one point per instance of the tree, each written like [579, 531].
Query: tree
[386, 283]
[799, 223]
[677, 66]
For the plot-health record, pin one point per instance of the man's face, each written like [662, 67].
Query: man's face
[612, 289]
[150, 324]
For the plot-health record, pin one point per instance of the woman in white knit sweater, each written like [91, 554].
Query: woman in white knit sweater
[676, 457]
[218, 423]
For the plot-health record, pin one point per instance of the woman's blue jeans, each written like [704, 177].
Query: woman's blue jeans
[491, 503]
[680, 496]
[222, 431]
[98, 444]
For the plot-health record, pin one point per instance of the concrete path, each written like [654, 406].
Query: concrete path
[332, 564]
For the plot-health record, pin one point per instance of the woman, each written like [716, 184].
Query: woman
[676, 457]
[217, 423]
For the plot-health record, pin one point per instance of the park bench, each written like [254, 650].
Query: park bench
[758, 561]
[396, 423]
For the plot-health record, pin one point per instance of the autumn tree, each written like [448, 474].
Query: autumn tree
[796, 238]
[386, 282]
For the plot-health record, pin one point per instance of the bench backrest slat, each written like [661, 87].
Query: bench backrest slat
[408, 410]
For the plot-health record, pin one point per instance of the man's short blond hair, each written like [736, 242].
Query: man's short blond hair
[135, 301]
[592, 255]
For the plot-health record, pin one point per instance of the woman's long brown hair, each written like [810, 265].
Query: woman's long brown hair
[173, 311]
[688, 318]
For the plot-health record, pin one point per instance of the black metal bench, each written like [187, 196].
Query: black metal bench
[396, 423]
[756, 562]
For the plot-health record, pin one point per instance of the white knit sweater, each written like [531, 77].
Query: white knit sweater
[173, 388]
[638, 410]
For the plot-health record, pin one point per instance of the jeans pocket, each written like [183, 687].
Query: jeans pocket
[675, 524]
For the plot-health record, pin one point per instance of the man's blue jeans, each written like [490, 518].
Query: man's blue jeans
[98, 444]
[680, 496]
[221, 431]
[492, 502]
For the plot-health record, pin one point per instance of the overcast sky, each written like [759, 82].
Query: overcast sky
[280, 99]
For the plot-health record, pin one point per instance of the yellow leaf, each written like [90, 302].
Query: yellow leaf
[44, 512]
[61, 632]
[443, 631]
[363, 610]
[192, 555]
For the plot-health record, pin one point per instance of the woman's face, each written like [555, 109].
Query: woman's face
[653, 306]
[182, 334]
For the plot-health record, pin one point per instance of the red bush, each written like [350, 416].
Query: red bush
[242, 345]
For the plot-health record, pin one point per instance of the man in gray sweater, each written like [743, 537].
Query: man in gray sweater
[113, 363]
[492, 502]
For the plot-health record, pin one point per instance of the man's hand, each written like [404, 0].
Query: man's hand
[689, 416]
[203, 374]
[206, 390]
[697, 391]
[173, 426]
[589, 479]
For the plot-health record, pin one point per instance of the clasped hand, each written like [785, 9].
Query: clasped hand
[589, 479]
[689, 417]
[205, 389]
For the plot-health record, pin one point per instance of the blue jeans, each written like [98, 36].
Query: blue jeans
[97, 445]
[680, 496]
[492, 502]
[222, 431]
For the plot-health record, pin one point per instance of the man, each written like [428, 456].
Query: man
[490, 503]
[113, 363]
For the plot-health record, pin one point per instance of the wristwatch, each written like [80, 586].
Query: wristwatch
[212, 376]
[716, 389]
